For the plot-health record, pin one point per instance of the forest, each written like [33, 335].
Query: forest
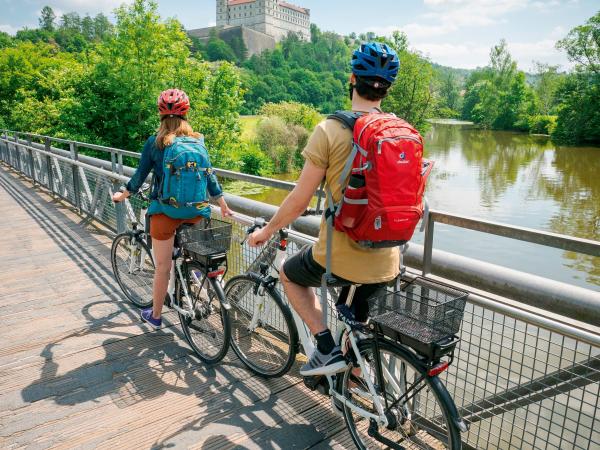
[92, 80]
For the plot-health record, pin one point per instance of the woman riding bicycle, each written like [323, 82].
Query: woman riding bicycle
[173, 106]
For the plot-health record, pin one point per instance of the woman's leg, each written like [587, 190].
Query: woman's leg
[163, 257]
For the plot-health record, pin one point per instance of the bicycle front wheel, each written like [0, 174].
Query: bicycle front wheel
[263, 334]
[208, 331]
[418, 406]
[133, 267]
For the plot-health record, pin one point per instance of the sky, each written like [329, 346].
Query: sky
[456, 33]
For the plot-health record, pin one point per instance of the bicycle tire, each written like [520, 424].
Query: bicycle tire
[210, 319]
[136, 285]
[429, 425]
[269, 350]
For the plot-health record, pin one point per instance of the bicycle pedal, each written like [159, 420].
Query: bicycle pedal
[313, 382]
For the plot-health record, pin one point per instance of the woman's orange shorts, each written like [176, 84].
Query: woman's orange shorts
[162, 228]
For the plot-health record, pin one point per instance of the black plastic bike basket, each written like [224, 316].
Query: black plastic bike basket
[206, 238]
[423, 315]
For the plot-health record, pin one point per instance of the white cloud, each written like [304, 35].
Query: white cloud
[9, 29]
[472, 55]
[80, 6]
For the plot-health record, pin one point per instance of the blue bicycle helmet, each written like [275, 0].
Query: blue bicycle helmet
[375, 59]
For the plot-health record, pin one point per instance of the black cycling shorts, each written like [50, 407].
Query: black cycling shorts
[303, 270]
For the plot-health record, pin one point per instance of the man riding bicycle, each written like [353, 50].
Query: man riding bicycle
[374, 69]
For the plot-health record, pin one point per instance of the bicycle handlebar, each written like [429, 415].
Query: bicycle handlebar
[260, 222]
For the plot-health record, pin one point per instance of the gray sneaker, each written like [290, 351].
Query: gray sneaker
[320, 364]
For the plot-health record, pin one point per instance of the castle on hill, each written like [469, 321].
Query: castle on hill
[259, 23]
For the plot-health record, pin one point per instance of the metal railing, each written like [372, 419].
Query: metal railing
[523, 378]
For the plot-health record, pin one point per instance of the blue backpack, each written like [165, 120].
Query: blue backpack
[186, 168]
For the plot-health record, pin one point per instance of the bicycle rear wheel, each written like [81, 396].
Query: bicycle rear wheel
[420, 420]
[208, 331]
[263, 334]
[133, 267]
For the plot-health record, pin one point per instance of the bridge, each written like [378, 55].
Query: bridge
[79, 370]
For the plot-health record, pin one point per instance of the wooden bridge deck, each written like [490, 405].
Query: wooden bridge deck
[79, 370]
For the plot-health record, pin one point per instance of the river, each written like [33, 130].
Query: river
[516, 179]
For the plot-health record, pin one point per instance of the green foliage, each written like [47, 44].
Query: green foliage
[582, 45]
[218, 50]
[314, 73]
[217, 98]
[498, 96]
[411, 96]
[542, 124]
[280, 141]
[548, 81]
[47, 18]
[111, 98]
[254, 161]
[579, 94]
[292, 113]
[5, 40]
[579, 112]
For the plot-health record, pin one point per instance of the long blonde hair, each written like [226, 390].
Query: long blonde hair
[172, 127]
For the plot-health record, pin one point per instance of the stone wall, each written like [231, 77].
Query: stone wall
[255, 41]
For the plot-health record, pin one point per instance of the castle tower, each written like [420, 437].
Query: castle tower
[222, 13]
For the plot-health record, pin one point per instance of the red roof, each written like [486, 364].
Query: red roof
[239, 2]
[294, 7]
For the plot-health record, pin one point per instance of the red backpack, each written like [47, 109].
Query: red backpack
[383, 200]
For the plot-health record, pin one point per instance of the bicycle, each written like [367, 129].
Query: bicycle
[390, 394]
[195, 285]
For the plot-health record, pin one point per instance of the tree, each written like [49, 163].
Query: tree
[102, 27]
[548, 81]
[5, 40]
[47, 18]
[579, 94]
[71, 22]
[218, 50]
[411, 96]
[498, 95]
[582, 45]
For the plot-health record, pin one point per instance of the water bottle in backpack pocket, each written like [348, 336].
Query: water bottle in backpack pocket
[353, 202]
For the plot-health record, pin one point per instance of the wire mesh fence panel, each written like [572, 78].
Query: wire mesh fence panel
[518, 385]
[68, 185]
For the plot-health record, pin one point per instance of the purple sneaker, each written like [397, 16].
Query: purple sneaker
[146, 316]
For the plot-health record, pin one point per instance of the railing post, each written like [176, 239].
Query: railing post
[428, 245]
[31, 165]
[74, 169]
[113, 160]
[119, 210]
[18, 162]
[4, 146]
[120, 159]
[49, 165]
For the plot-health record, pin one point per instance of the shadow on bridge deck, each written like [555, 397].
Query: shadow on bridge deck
[77, 368]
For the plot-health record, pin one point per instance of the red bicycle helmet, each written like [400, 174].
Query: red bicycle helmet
[173, 102]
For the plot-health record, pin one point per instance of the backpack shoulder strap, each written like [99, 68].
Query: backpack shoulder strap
[347, 118]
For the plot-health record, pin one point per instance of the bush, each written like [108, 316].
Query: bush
[293, 113]
[254, 162]
[542, 124]
[278, 141]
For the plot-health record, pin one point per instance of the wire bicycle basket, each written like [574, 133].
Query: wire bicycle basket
[424, 315]
[206, 238]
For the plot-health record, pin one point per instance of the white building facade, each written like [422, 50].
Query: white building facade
[275, 18]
